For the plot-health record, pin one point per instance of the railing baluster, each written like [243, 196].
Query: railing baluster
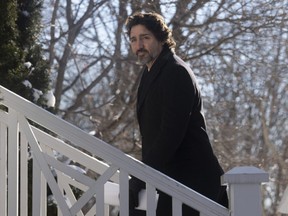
[151, 200]
[176, 207]
[3, 167]
[36, 190]
[100, 199]
[44, 183]
[124, 189]
[23, 175]
[13, 161]
[61, 184]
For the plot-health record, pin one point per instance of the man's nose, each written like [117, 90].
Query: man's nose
[140, 44]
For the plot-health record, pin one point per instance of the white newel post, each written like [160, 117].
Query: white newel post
[244, 183]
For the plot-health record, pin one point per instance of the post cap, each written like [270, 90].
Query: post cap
[245, 175]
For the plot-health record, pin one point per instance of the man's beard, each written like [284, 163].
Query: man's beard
[144, 59]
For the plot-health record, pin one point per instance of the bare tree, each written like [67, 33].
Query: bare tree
[237, 49]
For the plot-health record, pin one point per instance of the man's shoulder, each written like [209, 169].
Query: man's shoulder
[176, 67]
[175, 63]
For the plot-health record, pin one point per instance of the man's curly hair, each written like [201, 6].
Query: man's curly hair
[155, 23]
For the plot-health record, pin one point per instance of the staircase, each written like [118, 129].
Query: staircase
[68, 159]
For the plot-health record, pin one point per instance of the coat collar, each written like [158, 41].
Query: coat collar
[155, 71]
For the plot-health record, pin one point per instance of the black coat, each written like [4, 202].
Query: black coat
[172, 126]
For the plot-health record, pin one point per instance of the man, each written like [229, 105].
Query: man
[170, 117]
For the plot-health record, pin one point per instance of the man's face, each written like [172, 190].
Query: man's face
[144, 45]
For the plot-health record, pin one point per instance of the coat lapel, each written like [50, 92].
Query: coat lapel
[155, 71]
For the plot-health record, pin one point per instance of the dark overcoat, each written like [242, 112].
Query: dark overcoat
[173, 130]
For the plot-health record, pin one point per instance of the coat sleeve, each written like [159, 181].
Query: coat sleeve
[178, 98]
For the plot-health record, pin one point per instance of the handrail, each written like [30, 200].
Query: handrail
[117, 163]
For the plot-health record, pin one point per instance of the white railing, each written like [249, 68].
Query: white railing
[104, 171]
